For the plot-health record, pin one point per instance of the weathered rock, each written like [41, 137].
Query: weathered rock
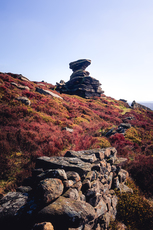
[68, 184]
[20, 86]
[96, 166]
[123, 175]
[125, 125]
[24, 100]
[52, 173]
[82, 196]
[74, 176]
[80, 82]
[115, 183]
[24, 189]
[10, 204]
[101, 208]
[108, 201]
[77, 185]
[105, 221]
[86, 184]
[71, 193]
[91, 176]
[79, 228]
[120, 161]
[86, 156]
[68, 129]
[65, 163]
[43, 226]
[124, 188]
[49, 189]
[80, 64]
[114, 202]
[135, 105]
[18, 76]
[47, 92]
[68, 213]
[79, 73]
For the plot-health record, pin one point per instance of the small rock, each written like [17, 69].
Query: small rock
[20, 86]
[43, 226]
[47, 92]
[71, 175]
[24, 100]
[68, 184]
[24, 189]
[101, 208]
[124, 188]
[71, 193]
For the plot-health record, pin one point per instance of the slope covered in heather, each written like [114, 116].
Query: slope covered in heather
[29, 131]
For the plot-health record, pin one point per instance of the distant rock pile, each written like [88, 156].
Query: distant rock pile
[74, 192]
[80, 82]
[136, 105]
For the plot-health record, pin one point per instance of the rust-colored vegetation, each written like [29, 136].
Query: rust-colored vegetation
[27, 132]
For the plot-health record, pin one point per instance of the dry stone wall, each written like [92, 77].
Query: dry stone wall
[75, 191]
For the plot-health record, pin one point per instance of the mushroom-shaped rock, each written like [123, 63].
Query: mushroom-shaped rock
[80, 64]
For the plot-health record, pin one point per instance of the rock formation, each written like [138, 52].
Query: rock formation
[135, 105]
[73, 192]
[80, 82]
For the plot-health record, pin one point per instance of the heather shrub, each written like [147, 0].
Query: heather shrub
[101, 142]
[121, 144]
[133, 210]
[141, 170]
[133, 135]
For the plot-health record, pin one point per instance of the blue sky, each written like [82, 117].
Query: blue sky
[39, 38]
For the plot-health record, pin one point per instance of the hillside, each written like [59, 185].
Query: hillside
[46, 123]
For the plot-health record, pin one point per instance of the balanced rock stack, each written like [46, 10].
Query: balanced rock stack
[80, 82]
[74, 192]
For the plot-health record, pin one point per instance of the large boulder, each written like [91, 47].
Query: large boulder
[66, 163]
[67, 212]
[10, 205]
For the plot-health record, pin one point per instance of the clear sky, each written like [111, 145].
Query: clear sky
[39, 38]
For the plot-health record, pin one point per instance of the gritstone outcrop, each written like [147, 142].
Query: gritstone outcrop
[80, 82]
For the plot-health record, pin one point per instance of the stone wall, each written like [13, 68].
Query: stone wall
[75, 191]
